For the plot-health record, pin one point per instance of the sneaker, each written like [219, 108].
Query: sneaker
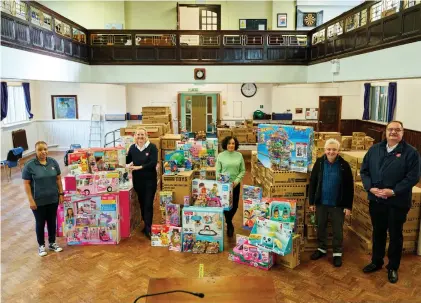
[55, 247]
[41, 251]
[317, 255]
[337, 261]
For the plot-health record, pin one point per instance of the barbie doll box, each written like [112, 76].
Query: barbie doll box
[285, 147]
[209, 193]
[251, 255]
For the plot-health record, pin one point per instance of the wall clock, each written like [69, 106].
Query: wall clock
[199, 74]
[248, 89]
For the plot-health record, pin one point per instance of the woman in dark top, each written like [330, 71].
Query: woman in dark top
[43, 187]
[142, 158]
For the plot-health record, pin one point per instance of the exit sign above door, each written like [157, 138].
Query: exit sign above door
[194, 89]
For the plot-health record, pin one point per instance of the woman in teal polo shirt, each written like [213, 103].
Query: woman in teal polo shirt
[44, 190]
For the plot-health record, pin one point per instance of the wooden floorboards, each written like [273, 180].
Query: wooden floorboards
[121, 273]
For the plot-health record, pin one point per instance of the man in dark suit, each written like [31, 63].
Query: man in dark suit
[389, 171]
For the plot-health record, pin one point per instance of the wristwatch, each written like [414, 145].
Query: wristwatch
[393, 193]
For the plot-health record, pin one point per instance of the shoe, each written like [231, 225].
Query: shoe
[317, 255]
[41, 251]
[147, 234]
[230, 231]
[371, 268]
[55, 247]
[337, 261]
[392, 275]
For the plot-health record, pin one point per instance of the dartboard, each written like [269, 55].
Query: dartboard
[310, 19]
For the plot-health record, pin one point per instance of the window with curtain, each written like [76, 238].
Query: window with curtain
[16, 111]
[378, 103]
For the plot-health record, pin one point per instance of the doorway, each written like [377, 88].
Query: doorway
[198, 17]
[198, 112]
[330, 108]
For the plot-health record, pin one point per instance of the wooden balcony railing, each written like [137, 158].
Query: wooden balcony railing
[30, 26]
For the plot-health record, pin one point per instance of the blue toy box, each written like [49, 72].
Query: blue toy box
[285, 147]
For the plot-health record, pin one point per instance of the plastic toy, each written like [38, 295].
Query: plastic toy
[209, 193]
[159, 235]
[199, 247]
[252, 192]
[165, 197]
[175, 238]
[212, 248]
[188, 240]
[172, 214]
[224, 178]
[245, 253]
[283, 211]
[253, 209]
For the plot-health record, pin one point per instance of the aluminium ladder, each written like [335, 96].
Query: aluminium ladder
[96, 128]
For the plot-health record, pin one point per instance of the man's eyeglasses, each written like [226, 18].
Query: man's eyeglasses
[398, 130]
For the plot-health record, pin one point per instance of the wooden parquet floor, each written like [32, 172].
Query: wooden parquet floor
[121, 273]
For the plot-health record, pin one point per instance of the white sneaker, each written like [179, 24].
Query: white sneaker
[55, 247]
[41, 251]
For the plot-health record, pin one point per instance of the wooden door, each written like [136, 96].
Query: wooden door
[330, 108]
[198, 113]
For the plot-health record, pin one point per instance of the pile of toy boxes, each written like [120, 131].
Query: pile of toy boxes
[202, 217]
[361, 228]
[91, 208]
[157, 115]
[271, 221]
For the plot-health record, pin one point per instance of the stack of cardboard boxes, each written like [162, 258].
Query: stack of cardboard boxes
[320, 139]
[243, 134]
[157, 115]
[355, 160]
[361, 228]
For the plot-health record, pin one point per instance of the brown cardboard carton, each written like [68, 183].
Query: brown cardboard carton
[286, 177]
[155, 110]
[169, 141]
[285, 191]
[312, 232]
[291, 260]
[223, 132]
[236, 131]
[358, 134]
[328, 135]
[346, 142]
[251, 138]
[354, 158]
[156, 119]
[179, 184]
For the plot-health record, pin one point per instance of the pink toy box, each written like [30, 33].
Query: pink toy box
[172, 214]
[99, 182]
[210, 193]
[59, 222]
[245, 253]
[91, 220]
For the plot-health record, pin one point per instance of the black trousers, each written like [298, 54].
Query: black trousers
[337, 217]
[46, 213]
[229, 214]
[385, 217]
[146, 190]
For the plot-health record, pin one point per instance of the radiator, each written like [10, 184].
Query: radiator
[19, 139]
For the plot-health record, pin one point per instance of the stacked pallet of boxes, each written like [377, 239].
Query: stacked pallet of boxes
[361, 228]
[157, 115]
[320, 139]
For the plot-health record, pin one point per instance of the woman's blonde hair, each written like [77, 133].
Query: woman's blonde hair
[140, 129]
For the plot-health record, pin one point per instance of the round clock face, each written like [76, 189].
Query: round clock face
[248, 89]
[199, 74]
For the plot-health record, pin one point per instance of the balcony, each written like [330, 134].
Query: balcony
[365, 28]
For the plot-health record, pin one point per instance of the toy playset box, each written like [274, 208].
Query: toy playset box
[202, 153]
[285, 147]
[248, 254]
[159, 235]
[283, 211]
[252, 192]
[252, 209]
[99, 182]
[91, 220]
[176, 161]
[210, 193]
[272, 235]
[203, 225]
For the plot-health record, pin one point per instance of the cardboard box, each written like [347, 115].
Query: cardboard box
[223, 133]
[286, 177]
[154, 130]
[354, 158]
[251, 138]
[242, 138]
[327, 135]
[346, 142]
[156, 119]
[358, 134]
[287, 191]
[313, 244]
[236, 131]
[156, 110]
[179, 184]
[210, 173]
[169, 141]
[291, 260]
[312, 231]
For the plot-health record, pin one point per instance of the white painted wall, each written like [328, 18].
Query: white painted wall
[390, 63]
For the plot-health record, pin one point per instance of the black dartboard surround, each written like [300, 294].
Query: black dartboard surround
[248, 89]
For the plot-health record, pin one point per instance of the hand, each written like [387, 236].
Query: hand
[386, 192]
[132, 167]
[234, 184]
[378, 193]
[32, 204]
[347, 212]
[312, 208]
[61, 199]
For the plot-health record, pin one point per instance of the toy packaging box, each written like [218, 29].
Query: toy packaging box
[159, 235]
[205, 224]
[223, 178]
[252, 192]
[188, 239]
[272, 235]
[165, 197]
[127, 141]
[91, 220]
[251, 255]
[172, 214]
[252, 209]
[202, 153]
[124, 177]
[78, 162]
[175, 161]
[99, 182]
[209, 193]
[283, 211]
[174, 236]
[106, 159]
[285, 147]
